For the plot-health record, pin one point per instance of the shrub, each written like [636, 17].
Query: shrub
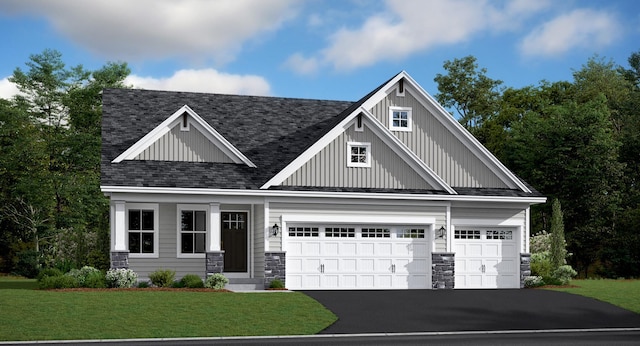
[99, 259]
[564, 274]
[276, 284]
[162, 277]
[143, 284]
[533, 281]
[49, 272]
[540, 242]
[177, 284]
[84, 273]
[216, 281]
[192, 281]
[121, 278]
[95, 280]
[27, 264]
[57, 282]
[541, 264]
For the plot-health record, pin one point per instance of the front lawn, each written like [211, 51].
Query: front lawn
[622, 293]
[17, 282]
[115, 314]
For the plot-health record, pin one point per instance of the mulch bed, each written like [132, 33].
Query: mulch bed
[148, 289]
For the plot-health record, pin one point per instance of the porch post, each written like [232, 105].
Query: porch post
[214, 258]
[119, 251]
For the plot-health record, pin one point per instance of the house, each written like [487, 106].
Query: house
[389, 192]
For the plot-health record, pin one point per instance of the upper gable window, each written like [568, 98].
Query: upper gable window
[400, 118]
[358, 154]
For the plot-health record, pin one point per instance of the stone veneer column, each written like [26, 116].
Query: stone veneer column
[119, 259]
[274, 267]
[214, 262]
[525, 267]
[443, 270]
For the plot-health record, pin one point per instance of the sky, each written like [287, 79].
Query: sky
[319, 49]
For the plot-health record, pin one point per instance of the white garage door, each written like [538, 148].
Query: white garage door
[338, 257]
[486, 258]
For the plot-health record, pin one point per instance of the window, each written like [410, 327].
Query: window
[466, 234]
[358, 154]
[376, 233]
[303, 231]
[500, 235]
[336, 232]
[411, 233]
[400, 119]
[192, 231]
[142, 222]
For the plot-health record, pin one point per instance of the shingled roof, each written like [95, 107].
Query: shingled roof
[270, 131]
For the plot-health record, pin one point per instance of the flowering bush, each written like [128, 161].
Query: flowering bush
[533, 281]
[564, 274]
[121, 278]
[86, 276]
[216, 281]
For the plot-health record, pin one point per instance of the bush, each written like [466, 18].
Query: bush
[27, 264]
[99, 259]
[564, 274]
[143, 284]
[57, 282]
[95, 280]
[48, 272]
[192, 281]
[216, 281]
[276, 284]
[121, 278]
[81, 275]
[541, 264]
[533, 281]
[162, 277]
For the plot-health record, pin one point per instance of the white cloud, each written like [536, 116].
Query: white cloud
[301, 65]
[582, 28]
[7, 89]
[143, 29]
[205, 80]
[406, 27]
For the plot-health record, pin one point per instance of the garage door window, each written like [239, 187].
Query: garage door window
[376, 233]
[466, 234]
[303, 231]
[337, 232]
[411, 233]
[500, 235]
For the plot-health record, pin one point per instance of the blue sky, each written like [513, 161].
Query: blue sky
[333, 49]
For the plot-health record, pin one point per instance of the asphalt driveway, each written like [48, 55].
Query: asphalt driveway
[467, 310]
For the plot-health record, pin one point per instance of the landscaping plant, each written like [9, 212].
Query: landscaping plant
[162, 277]
[192, 281]
[216, 281]
[121, 278]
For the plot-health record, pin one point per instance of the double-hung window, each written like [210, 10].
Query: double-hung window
[400, 118]
[142, 230]
[192, 230]
[358, 154]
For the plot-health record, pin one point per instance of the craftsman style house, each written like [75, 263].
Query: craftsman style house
[388, 192]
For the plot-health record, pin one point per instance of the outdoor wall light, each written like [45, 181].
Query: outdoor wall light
[275, 230]
[442, 232]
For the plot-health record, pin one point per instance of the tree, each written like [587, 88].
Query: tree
[473, 95]
[558, 251]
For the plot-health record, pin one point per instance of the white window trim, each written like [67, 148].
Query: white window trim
[190, 207]
[368, 154]
[409, 119]
[156, 236]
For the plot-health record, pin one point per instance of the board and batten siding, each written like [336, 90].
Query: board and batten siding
[443, 152]
[168, 237]
[328, 168]
[189, 146]
[322, 209]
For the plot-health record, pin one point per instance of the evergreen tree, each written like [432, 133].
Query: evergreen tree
[558, 249]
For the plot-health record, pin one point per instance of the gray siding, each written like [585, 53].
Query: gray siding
[168, 236]
[191, 146]
[328, 168]
[258, 240]
[436, 146]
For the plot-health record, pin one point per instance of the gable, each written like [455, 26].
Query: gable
[443, 151]
[184, 136]
[184, 145]
[328, 168]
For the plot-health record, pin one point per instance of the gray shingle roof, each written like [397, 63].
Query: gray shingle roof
[270, 131]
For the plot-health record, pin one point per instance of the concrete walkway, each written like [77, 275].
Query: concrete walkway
[467, 310]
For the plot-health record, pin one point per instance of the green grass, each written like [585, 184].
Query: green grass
[110, 314]
[17, 282]
[622, 293]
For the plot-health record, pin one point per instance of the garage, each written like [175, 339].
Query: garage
[358, 257]
[486, 258]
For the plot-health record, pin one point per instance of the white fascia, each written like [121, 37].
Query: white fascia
[406, 154]
[214, 136]
[499, 169]
[107, 190]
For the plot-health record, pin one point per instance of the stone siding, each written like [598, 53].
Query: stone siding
[274, 267]
[120, 260]
[215, 262]
[443, 270]
[525, 267]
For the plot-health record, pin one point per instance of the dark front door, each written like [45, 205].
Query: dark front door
[234, 241]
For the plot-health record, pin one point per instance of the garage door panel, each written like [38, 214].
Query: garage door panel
[383, 249]
[331, 249]
[366, 249]
[349, 265]
[491, 250]
[311, 248]
[509, 250]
